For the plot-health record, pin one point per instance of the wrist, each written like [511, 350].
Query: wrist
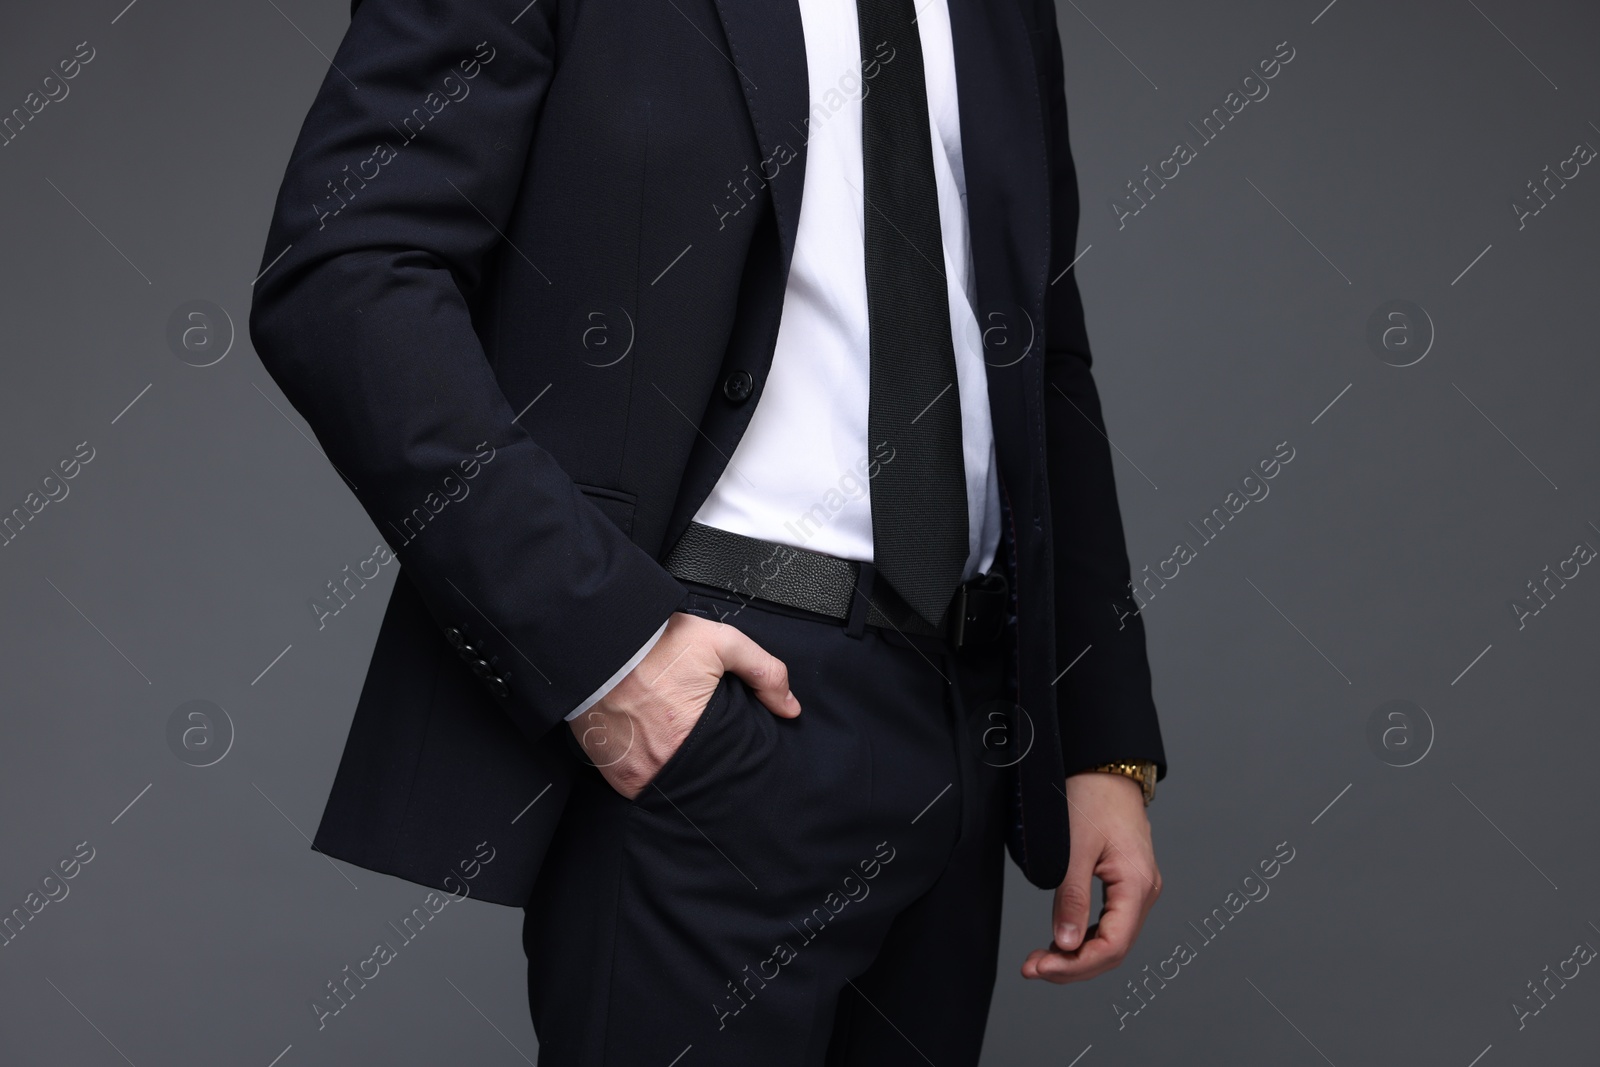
[1141, 773]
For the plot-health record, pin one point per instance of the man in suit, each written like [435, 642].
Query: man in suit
[717, 373]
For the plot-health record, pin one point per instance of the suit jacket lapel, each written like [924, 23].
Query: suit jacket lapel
[1006, 162]
[766, 42]
[1002, 137]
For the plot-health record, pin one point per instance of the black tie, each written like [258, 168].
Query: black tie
[919, 499]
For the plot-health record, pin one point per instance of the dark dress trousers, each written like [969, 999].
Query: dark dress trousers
[523, 279]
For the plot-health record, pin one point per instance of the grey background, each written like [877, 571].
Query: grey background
[1226, 317]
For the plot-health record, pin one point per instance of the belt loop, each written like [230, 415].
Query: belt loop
[860, 600]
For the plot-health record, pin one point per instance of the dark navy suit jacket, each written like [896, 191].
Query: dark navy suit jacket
[523, 280]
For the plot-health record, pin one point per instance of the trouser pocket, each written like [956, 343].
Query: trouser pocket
[721, 757]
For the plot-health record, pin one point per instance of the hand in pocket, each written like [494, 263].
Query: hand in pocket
[639, 724]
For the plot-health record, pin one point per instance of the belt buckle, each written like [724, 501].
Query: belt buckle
[983, 596]
[956, 617]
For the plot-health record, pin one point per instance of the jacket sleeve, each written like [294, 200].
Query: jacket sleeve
[1104, 701]
[394, 200]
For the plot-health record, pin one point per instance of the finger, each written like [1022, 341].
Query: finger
[760, 669]
[1113, 936]
[1071, 915]
[1096, 957]
[1128, 901]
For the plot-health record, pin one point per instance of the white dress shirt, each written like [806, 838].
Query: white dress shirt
[801, 473]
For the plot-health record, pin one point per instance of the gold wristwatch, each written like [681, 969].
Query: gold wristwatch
[1141, 771]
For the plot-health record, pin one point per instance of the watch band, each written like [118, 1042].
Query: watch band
[1141, 771]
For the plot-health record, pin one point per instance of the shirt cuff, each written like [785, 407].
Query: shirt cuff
[611, 683]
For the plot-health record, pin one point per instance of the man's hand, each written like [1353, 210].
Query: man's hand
[1111, 841]
[637, 726]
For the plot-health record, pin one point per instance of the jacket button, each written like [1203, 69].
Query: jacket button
[455, 637]
[738, 386]
[498, 687]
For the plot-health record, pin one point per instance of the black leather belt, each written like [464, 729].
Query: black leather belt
[828, 585]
